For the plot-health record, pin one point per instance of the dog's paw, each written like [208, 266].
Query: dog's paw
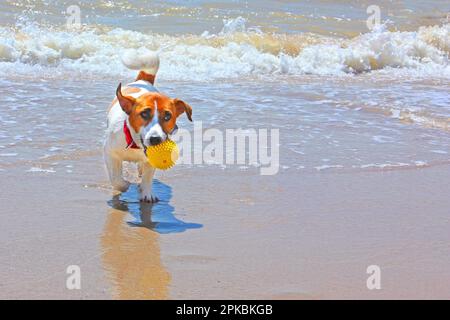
[149, 198]
[121, 185]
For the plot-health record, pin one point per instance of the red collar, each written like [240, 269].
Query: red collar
[128, 137]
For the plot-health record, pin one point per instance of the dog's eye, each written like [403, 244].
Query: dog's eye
[145, 114]
[167, 116]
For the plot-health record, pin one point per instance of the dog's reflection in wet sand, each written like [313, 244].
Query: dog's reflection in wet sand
[131, 252]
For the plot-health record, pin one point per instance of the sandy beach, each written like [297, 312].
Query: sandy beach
[363, 172]
[313, 240]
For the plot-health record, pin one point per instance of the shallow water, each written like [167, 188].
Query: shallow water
[364, 143]
[391, 83]
[181, 17]
[325, 124]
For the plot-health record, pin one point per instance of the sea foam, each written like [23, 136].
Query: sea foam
[234, 52]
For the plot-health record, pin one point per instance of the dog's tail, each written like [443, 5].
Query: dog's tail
[144, 60]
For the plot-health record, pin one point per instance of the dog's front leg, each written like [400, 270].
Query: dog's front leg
[146, 184]
[114, 167]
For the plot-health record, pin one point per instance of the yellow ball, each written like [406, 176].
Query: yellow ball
[164, 155]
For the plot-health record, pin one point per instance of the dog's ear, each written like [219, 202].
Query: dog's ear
[126, 102]
[181, 106]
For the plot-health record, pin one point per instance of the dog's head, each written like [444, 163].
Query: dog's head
[153, 115]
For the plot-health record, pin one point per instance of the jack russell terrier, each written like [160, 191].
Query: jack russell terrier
[139, 117]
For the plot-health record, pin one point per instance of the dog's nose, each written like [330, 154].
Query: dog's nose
[155, 140]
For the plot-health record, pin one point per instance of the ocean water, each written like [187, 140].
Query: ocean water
[344, 97]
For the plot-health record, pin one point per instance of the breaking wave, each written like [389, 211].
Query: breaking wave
[236, 51]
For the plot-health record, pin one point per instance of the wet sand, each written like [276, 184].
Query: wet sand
[363, 117]
[300, 236]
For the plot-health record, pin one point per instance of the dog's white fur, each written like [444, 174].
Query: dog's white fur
[115, 145]
[141, 59]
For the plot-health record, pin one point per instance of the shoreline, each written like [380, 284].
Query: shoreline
[312, 240]
[343, 106]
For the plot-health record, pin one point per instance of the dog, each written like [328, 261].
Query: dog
[139, 116]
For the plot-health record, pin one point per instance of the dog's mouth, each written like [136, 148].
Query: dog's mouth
[156, 140]
[144, 147]
[174, 130]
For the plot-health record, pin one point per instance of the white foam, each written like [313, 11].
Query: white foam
[236, 51]
[36, 169]
[388, 166]
[382, 139]
[325, 167]
[420, 163]
[233, 25]
[422, 50]
[439, 151]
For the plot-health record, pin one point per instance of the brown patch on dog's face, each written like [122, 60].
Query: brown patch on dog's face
[126, 102]
[141, 111]
[168, 111]
[181, 107]
[127, 90]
